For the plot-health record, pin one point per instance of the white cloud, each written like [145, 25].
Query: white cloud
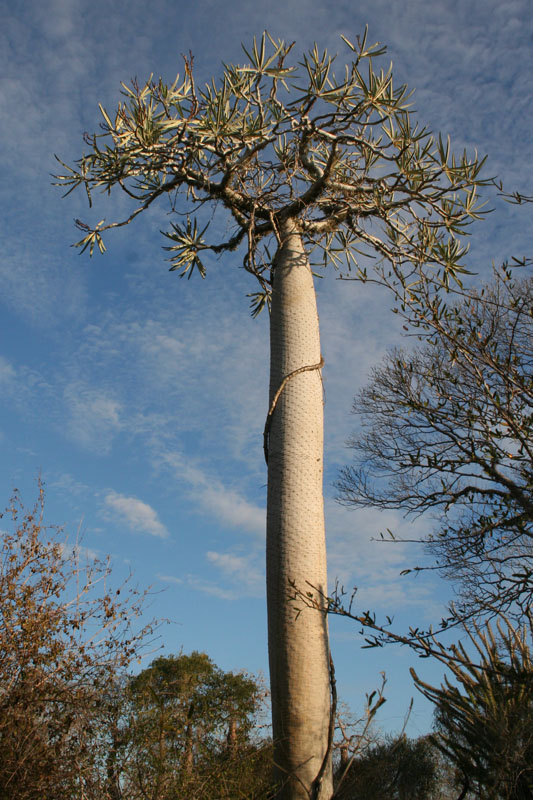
[169, 578]
[241, 570]
[79, 553]
[213, 589]
[137, 515]
[45, 297]
[233, 509]
[7, 373]
[95, 417]
[227, 505]
[65, 482]
[357, 558]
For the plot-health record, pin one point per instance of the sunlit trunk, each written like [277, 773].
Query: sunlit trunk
[296, 551]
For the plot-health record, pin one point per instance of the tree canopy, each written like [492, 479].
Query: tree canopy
[192, 731]
[272, 141]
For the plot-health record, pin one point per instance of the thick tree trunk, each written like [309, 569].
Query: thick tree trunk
[296, 550]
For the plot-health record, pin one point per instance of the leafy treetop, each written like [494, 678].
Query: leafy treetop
[274, 143]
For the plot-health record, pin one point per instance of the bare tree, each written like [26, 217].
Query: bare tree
[64, 636]
[447, 431]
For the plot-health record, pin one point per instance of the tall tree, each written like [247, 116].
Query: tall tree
[300, 159]
[447, 428]
[190, 726]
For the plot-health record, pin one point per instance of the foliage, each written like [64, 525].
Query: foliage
[484, 722]
[72, 723]
[64, 634]
[190, 727]
[397, 768]
[447, 428]
[272, 141]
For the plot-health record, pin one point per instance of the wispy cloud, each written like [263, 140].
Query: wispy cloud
[213, 497]
[201, 585]
[238, 577]
[358, 558]
[79, 553]
[229, 506]
[357, 326]
[211, 588]
[169, 578]
[94, 417]
[65, 482]
[242, 571]
[137, 515]
[7, 372]
[45, 296]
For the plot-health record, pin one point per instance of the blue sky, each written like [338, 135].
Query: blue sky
[141, 398]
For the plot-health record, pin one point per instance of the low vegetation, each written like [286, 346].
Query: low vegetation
[75, 721]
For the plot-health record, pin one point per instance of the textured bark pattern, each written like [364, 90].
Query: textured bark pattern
[296, 550]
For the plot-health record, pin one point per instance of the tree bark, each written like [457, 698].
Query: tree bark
[296, 549]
